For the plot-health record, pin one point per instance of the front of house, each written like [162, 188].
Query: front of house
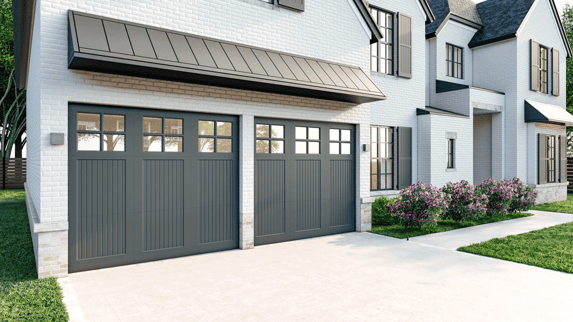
[172, 128]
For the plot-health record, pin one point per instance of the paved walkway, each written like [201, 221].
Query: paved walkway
[466, 236]
[348, 277]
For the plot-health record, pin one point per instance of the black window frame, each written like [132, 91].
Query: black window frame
[451, 154]
[543, 72]
[551, 159]
[452, 64]
[308, 140]
[389, 146]
[384, 43]
[163, 135]
[270, 139]
[102, 132]
[215, 136]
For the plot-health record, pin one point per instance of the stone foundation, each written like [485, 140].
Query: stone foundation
[364, 221]
[50, 242]
[551, 192]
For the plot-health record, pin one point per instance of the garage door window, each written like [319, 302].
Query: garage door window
[90, 132]
[270, 138]
[215, 137]
[340, 141]
[162, 134]
[307, 140]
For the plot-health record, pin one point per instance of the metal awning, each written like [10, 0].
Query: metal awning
[107, 45]
[546, 113]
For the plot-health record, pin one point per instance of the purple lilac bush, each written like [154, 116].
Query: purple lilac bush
[499, 195]
[464, 201]
[419, 205]
[523, 198]
[507, 196]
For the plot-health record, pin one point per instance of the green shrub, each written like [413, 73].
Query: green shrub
[380, 213]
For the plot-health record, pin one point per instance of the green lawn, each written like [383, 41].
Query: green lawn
[560, 206]
[550, 248]
[398, 231]
[23, 297]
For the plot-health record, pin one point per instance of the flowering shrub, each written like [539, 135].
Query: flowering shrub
[508, 195]
[419, 205]
[523, 197]
[499, 195]
[381, 214]
[465, 201]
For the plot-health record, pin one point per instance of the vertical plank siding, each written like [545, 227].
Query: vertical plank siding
[12, 173]
[217, 199]
[101, 213]
[341, 192]
[308, 192]
[163, 204]
[270, 189]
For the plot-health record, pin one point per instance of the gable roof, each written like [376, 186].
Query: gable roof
[364, 10]
[463, 11]
[502, 20]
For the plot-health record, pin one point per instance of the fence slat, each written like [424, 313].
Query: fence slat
[12, 173]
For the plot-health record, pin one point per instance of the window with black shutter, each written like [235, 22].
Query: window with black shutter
[382, 52]
[381, 158]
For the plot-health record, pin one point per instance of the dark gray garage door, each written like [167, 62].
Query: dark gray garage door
[147, 185]
[304, 180]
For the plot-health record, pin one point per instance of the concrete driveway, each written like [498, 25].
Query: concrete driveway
[348, 277]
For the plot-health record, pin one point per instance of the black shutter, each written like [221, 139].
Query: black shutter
[404, 157]
[292, 4]
[404, 45]
[535, 82]
[555, 74]
[542, 158]
[563, 160]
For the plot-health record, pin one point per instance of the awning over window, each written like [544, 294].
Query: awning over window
[110, 46]
[546, 113]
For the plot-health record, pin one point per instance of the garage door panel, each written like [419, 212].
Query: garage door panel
[175, 201]
[308, 198]
[270, 189]
[341, 197]
[101, 209]
[217, 200]
[163, 204]
[316, 167]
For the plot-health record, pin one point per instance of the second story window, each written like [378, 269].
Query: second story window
[382, 52]
[455, 61]
[543, 68]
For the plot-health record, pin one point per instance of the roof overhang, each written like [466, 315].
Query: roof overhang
[561, 29]
[23, 15]
[428, 10]
[112, 46]
[365, 12]
[546, 113]
[454, 17]
[438, 111]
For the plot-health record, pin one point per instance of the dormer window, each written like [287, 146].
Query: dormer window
[455, 61]
[382, 51]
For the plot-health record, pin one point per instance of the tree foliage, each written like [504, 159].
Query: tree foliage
[568, 26]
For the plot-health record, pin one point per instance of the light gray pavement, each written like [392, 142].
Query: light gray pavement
[455, 239]
[348, 277]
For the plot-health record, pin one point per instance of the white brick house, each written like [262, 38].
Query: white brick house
[197, 126]
[496, 45]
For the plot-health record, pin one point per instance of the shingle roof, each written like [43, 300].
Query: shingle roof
[501, 19]
[462, 8]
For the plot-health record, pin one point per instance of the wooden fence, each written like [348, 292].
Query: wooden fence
[570, 175]
[12, 173]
